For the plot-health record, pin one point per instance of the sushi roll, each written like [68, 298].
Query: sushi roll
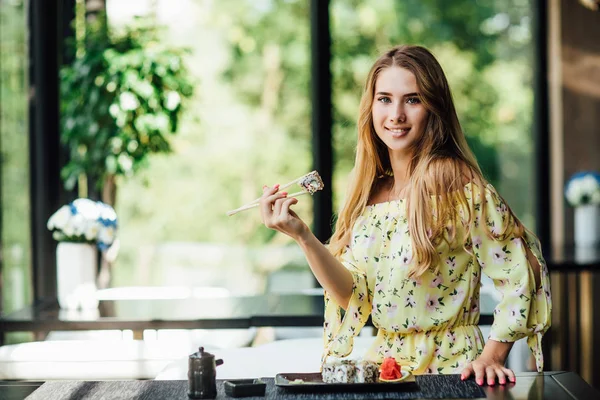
[342, 371]
[366, 372]
[345, 372]
[328, 372]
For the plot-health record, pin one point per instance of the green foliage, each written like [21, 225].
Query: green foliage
[119, 102]
[15, 206]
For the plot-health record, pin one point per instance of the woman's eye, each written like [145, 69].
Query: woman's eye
[413, 100]
[385, 100]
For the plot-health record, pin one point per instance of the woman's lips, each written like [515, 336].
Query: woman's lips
[398, 132]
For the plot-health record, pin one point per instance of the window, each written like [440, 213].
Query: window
[15, 240]
[247, 125]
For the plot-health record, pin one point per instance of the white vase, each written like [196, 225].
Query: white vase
[587, 226]
[76, 268]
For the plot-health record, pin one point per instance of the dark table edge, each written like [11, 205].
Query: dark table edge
[575, 386]
[104, 324]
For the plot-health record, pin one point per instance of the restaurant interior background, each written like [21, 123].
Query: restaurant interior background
[529, 104]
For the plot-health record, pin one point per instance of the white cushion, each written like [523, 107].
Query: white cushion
[87, 359]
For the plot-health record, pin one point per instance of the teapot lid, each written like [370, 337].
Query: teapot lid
[202, 354]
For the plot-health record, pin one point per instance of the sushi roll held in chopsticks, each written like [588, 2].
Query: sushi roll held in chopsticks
[310, 184]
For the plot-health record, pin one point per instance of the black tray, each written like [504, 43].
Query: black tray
[313, 381]
[244, 387]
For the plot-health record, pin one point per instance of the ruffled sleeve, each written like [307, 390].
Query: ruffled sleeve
[340, 331]
[525, 309]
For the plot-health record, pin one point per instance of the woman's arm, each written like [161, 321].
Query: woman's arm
[331, 274]
[535, 266]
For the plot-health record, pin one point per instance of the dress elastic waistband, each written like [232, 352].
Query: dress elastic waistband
[436, 330]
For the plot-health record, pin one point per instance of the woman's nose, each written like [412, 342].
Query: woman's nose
[398, 115]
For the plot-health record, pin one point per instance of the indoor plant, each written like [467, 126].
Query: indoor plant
[121, 98]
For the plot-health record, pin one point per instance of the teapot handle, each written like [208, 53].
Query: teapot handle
[218, 362]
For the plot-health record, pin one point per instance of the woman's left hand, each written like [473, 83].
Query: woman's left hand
[487, 369]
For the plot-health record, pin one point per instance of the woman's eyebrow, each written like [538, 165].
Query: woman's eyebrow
[389, 94]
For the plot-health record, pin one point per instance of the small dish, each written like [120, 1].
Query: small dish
[245, 387]
[405, 374]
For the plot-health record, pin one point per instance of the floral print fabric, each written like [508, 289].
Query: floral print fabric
[429, 324]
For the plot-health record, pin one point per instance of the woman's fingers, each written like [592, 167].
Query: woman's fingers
[285, 206]
[510, 374]
[479, 371]
[274, 209]
[501, 376]
[266, 202]
[466, 372]
[277, 204]
[490, 373]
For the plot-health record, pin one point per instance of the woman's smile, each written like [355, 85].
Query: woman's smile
[398, 132]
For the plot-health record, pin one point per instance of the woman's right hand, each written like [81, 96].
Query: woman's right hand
[276, 213]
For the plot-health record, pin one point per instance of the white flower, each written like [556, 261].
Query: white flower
[87, 208]
[59, 219]
[69, 229]
[107, 212]
[77, 223]
[91, 230]
[85, 221]
[583, 188]
[106, 235]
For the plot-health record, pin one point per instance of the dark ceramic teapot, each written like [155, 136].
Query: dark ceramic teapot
[202, 375]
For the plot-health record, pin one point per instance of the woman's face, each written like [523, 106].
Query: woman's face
[399, 117]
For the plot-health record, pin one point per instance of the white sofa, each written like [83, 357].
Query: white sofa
[87, 359]
[267, 360]
[105, 355]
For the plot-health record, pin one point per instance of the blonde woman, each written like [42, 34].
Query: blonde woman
[419, 226]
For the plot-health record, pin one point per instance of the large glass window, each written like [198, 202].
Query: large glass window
[15, 241]
[486, 51]
[247, 125]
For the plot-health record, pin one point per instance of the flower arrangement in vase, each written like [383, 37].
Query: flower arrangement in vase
[582, 192]
[81, 228]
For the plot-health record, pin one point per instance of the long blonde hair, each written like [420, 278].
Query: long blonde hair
[442, 163]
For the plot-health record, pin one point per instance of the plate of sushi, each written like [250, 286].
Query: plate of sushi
[350, 375]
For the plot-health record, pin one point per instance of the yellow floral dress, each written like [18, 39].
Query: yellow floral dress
[429, 324]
